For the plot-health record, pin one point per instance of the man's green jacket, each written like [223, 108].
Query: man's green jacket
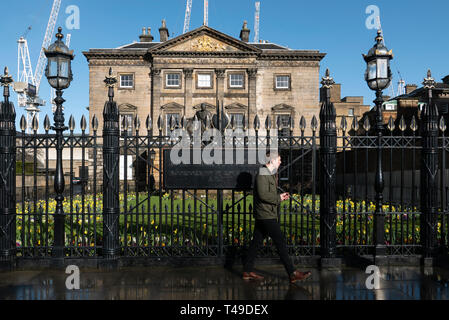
[266, 196]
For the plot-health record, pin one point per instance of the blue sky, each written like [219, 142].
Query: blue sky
[414, 30]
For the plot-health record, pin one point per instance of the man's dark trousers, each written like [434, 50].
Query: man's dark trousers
[268, 228]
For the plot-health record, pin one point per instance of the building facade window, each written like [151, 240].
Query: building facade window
[282, 82]
[390, 106]
[351, 112]
[204, 80]
[173, 80]
[126, 120]
[236, 80]
[127, 81]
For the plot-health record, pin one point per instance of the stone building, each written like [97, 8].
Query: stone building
[173, 77]
[411, 103]
[349, 107]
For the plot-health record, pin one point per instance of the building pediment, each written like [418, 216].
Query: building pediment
[126, 107]
[204, 40]
[236, 107]
[172, 106]
[208, 106]
[282, 107]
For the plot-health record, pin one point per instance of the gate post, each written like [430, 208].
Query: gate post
[7, 176]
[111, 152]
[328, 151]
[429, 170]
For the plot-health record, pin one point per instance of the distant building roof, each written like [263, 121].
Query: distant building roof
[139, 45]
[417, 93]
[268, 46]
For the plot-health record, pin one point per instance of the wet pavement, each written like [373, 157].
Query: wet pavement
[217, 283]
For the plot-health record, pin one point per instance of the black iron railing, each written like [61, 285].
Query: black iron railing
[116, 205]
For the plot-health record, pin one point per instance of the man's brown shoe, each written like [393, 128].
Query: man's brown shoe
[299, 276]
[252, 276]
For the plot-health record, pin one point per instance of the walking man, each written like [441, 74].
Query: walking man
[266, 203]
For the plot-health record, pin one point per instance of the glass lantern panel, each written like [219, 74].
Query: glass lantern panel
[382, 68]
[53, 67]
[372, 70]
[63, 68]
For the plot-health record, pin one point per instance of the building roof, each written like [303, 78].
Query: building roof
[419, 92]
[268, 46]
[139, 45]
[264, 50]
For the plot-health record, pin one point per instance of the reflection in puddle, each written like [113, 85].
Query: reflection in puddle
[215, 283]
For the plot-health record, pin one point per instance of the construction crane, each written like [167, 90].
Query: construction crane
[187, 16]
[256, 22]
[206, 13]
[27, 88]
[53, 91]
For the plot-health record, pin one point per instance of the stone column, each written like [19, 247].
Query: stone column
[156, 91]
[252, 81]
[188, 85]
[220, 83]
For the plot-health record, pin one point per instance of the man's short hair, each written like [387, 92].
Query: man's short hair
[271, 155]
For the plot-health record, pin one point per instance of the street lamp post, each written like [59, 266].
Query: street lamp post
[378, 78]
[429, 173]
[59, 75]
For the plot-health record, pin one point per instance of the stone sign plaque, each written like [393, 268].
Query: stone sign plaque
[210, 176]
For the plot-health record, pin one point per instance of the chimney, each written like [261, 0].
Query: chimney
[244, 33]
[163, 32]
[410, 88]
[146, 37]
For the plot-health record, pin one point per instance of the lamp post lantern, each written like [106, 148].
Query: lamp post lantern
[59, 75]
[378, 77]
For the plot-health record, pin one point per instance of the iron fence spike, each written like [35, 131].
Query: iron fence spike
[442, 124]
[35, 123]
[355, 124]
[83, 123]
[149, 124]
[302, 123]
[268, 122]
[256, 123]
[391, 124]
[183, 122]
[343, 124]
[95, 123]
[160, 123]
[314, 123]
[366, 124]
[137, 122]
[47, 123]
[71, 123]
[402, 125]
[233, 126]
[23, 123]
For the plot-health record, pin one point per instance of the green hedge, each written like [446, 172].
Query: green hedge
[29, 168]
